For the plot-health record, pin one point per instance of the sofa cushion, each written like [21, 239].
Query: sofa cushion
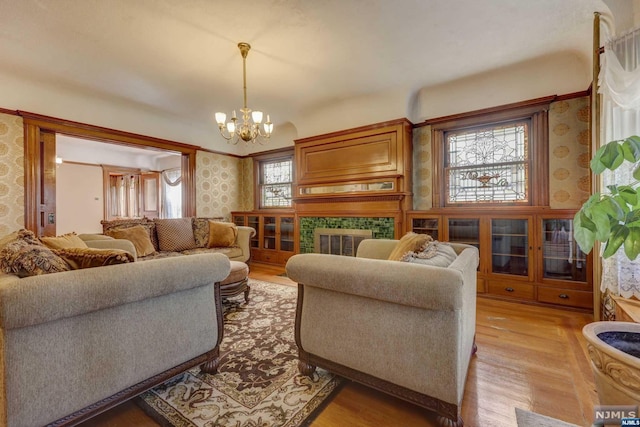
[222, 234]
[201, 230]
[175, 234]
[410, 242]
[78, 258]
[69, 240]
[28, 257]
[435, 253]
[138, 235]
[147, 223]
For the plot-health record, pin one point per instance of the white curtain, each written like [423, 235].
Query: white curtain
[172, 193]
[619, 84]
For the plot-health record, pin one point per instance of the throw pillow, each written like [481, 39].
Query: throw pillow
[201, 232]
[410, 242]
[145, 222]
[138, 235]
[175, 234]
[69, 240]
[24, 258]
[78, 258]
[435, 253]
[222, 234]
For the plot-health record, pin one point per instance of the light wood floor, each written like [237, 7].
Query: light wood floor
[528, 357]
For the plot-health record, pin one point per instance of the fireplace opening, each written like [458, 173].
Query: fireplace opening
[339, 241]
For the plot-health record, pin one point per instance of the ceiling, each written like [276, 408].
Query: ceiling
[178, 59]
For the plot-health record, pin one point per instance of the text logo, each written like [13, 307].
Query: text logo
[614, 414]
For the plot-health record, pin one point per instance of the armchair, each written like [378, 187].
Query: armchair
[402, 328]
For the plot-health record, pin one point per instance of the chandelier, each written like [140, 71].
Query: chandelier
[249, 129]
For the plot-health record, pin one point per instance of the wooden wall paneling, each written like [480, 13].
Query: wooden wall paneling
[47, 188]
[35, 124]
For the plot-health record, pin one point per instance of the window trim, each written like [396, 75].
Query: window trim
[536, 111]
[258, 161]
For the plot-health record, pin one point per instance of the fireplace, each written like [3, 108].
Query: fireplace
[339, 241]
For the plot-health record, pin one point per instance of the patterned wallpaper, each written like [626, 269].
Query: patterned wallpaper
[569, 140]
[219, 186]
[11, 173]
[247, 202]
[422, 168]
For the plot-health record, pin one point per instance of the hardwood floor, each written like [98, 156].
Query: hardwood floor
[528, 357]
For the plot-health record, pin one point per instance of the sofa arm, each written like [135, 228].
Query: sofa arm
[39, 299]
[243, 240]
[409, 284]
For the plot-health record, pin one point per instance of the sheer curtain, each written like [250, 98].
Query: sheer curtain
[172, 193]
[619, 83]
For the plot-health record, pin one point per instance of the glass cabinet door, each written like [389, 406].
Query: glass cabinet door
[286, 233]
[253, 221]
[510, 246]
[465, 231]
[269, 237]
[562, 257]
[425, 226]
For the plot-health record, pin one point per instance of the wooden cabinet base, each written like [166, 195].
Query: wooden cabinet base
[565, 297]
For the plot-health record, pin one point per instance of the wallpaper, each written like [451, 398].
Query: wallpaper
[11, 174]
[422, 168]
[218, 185]
[247, 202]
[569, 140]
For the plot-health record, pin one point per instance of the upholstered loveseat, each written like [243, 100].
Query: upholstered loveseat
[183, 236]
[401, 327]
[77, 342]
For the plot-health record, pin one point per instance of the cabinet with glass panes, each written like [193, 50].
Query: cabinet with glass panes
[529, 257]
[274, 242]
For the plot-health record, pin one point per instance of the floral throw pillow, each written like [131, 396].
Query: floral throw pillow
[28, 257]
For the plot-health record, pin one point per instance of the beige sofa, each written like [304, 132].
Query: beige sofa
[240, 250]
[402, 328]
[75, 343]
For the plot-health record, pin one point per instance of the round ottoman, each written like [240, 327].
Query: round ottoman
[236, 282]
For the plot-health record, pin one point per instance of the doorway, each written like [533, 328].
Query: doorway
[39, 182]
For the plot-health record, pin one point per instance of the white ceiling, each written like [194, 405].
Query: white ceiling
[178, 58]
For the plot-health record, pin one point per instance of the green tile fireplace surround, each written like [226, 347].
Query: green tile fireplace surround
[382, 228]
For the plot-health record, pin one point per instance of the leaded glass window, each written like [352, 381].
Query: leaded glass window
[276, 177]
[488, 164]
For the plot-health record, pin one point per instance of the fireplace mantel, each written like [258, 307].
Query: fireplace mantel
[361, 172]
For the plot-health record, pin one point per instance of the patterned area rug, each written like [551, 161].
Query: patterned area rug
[258, 383]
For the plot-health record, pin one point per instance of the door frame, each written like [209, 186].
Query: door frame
[35, 124]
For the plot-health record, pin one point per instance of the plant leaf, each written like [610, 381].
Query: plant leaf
[634, 146]
[632, 243]
[618, 235]
[597, 166]
[612, 156]
[629, 195]
[583, 235]
[636, 173]
[611, 207]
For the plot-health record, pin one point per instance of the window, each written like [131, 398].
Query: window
[487, 164]
[275, 182]
[492, 157]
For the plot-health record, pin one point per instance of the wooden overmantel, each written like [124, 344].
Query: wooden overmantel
[360, 172]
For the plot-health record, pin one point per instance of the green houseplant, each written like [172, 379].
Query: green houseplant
[613, 218]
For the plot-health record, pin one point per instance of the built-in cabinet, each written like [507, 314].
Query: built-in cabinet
[274, 242]
[529, 256]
